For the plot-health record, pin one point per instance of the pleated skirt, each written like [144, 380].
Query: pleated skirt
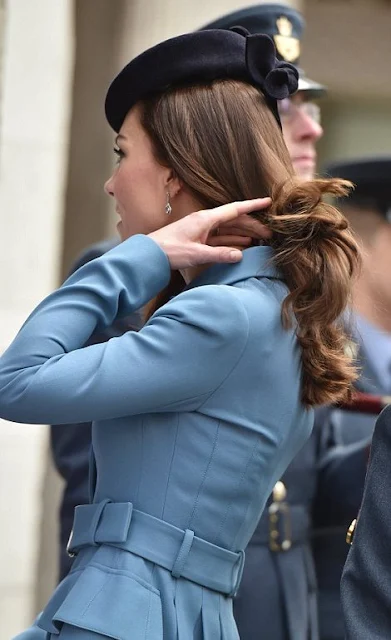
[111, 593]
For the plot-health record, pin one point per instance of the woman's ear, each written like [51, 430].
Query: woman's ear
[173, 184]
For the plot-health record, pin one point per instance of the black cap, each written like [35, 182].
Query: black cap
[284, 25]
[196, 58]
[372, 179]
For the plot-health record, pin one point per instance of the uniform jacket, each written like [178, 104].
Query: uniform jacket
[195, 418]
[277, 597]
[365, 587]
[342, 465]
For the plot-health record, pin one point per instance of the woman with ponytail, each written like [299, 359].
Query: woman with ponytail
[198, 415]
[239, 158]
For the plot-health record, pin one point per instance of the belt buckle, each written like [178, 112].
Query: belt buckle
[280, 523]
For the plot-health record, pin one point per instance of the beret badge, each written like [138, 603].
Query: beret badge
[287, 45]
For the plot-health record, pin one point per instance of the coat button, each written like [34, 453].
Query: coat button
[350, 532]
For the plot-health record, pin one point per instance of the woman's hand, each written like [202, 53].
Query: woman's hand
[240, 233]
[184, 241]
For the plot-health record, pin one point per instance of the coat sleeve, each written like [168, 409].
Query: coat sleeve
[71, 443]
[365, 587]
[174, 363]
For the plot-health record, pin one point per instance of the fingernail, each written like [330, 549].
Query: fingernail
[235, 255]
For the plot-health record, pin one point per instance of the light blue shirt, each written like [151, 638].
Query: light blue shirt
[376, 344]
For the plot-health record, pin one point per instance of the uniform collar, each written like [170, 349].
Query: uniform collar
[256, 263]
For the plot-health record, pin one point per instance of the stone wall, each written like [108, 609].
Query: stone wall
[36, 64]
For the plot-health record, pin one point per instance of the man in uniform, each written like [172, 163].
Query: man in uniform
[346, 435]
[365, 587]
[277, 599]
[300, 115]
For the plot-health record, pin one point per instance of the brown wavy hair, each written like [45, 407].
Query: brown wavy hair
[224, 144]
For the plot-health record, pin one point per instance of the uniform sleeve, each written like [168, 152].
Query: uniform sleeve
[174, 363]
[365, 586]
[341, 470]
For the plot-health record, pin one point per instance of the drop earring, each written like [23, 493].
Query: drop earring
[168, 208]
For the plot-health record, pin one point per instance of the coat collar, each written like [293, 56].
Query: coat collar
[256, 263]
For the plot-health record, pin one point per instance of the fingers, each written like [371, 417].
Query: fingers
[246, 226]
[230, 211]
[184, 241]
[207, 254]
[226, 240]
[258, 233]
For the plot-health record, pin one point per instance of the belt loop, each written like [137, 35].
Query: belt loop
[80, 511]
[181, 558]
[240, 566]
[96, 517]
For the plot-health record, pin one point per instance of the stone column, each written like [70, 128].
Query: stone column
[91, 159]
[35, 82]
[2, 27]
[85, 220]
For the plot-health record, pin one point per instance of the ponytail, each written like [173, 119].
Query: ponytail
[318, 257]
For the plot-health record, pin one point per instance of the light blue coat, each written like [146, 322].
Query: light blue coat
[195, 419]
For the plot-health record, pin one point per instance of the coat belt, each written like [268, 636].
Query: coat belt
[179, 551]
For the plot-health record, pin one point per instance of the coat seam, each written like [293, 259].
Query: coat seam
[171, 463]
[205, 474]
[237, 361]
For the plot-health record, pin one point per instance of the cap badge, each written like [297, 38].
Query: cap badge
[287, 46]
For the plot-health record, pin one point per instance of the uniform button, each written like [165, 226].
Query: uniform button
[350, 532]
[279, 491]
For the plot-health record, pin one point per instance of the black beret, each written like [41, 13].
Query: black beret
[371, 177]
[284, 25]
[197, 58]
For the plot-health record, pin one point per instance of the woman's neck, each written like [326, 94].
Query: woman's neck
[190, 273]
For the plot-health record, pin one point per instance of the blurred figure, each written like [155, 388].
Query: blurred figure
[300, 119]
[300, 115]
[277, 598]
[346, 435]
